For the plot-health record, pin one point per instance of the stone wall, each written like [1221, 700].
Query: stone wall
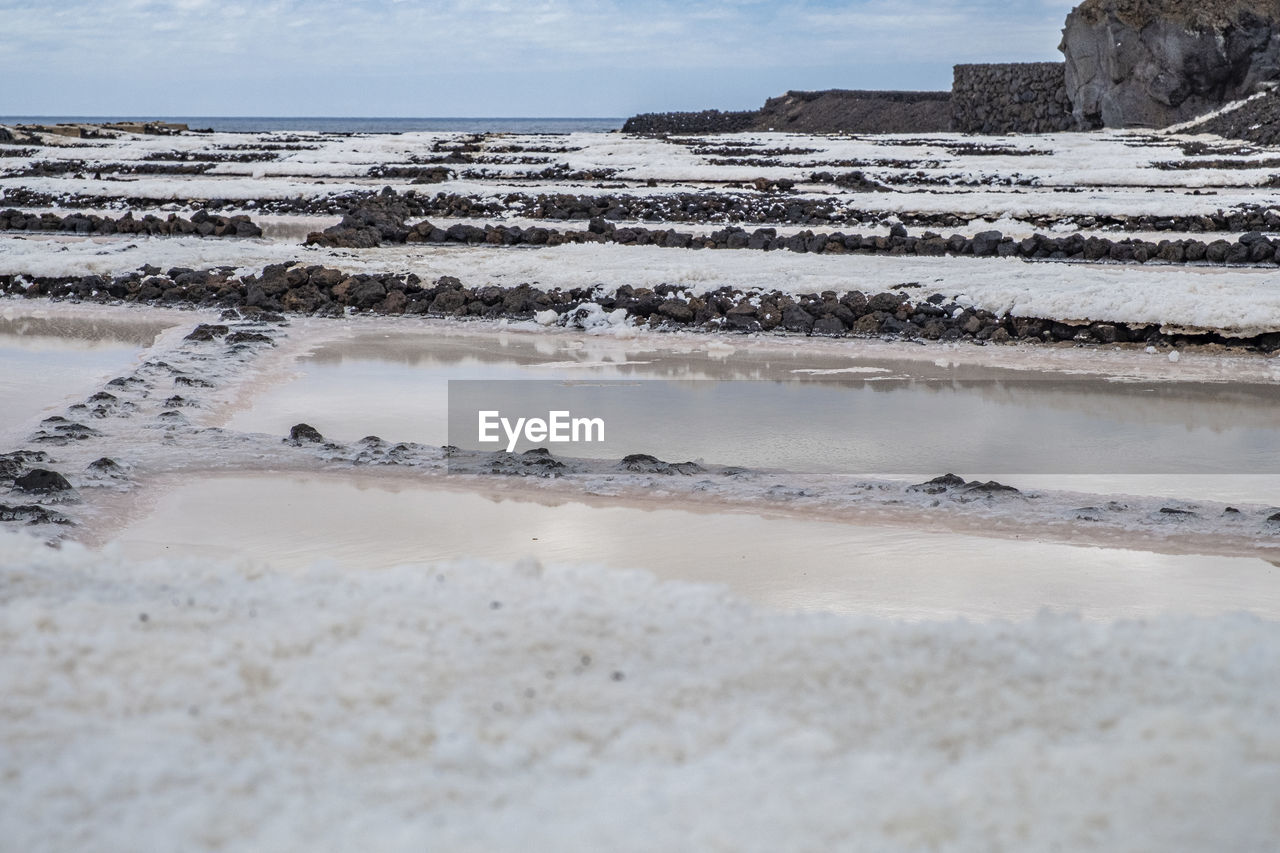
[1024, 97]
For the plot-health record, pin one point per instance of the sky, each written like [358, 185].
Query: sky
[579, 58]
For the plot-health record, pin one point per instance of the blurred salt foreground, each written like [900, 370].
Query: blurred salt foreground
[251, 641]
[481, 706]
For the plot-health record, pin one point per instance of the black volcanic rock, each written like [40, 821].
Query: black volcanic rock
[300, 433]
[42, 480]
[1153, 63]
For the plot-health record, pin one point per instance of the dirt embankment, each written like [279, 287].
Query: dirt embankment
[857, 112]
[828, 111]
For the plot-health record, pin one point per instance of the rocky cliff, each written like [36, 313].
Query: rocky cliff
[1152, 63]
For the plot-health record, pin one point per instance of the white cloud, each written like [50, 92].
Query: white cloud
[420, 44]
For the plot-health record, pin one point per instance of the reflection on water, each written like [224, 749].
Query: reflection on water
[293, 228]
[913, 426]
[812, 411]
[293, 521]
[49, 361]
[64, 332]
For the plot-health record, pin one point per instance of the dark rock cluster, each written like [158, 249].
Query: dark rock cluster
[261, 156]
[668, 207]
[201, 224]
[304, 434]
[1220, 164]
[309, 205]
[41, 481]
[711, 207]
[643, 463]
[47, 168]
[16, 464]
[1257, 121]
[31, 514]
[957, 487]
[322, 290]
[24, 474]
[705, 121]
[415, 174]
[368, 227]
[179, 286]
[773, 204]
[376, 220]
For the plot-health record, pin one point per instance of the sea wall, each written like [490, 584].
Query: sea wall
[1023, 97]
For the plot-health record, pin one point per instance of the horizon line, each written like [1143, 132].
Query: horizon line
[364, 118]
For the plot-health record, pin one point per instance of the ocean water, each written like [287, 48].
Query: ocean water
[330, 124]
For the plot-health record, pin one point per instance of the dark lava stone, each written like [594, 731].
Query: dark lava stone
[305, 432]
[42, 480]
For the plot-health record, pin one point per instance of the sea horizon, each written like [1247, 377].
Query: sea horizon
[350, 124]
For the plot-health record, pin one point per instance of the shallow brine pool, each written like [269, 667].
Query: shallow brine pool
[820, 407]
[50, 358]
[807, 411]
[364, 521]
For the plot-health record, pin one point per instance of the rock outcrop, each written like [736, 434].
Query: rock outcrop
[827, 111]
[331, 292]
[1153, 63]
